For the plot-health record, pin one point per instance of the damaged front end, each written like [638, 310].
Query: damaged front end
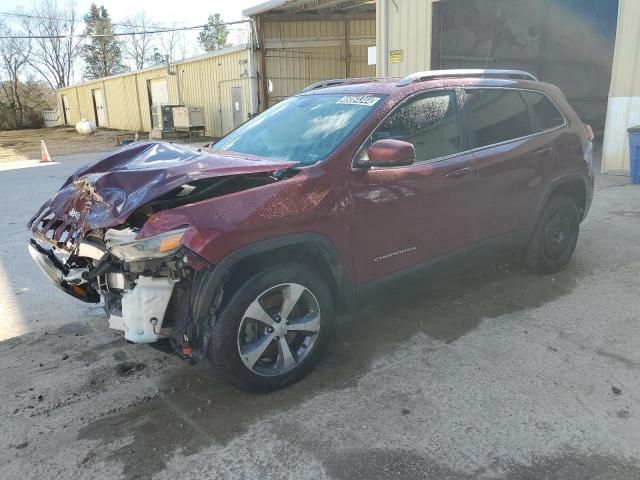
[87, 237]
[135, 278]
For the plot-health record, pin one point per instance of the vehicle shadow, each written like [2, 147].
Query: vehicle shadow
[198, 410]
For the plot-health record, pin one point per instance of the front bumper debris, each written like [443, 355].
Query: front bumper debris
[57, 274]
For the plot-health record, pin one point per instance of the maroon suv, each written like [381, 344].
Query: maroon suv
[242, 253]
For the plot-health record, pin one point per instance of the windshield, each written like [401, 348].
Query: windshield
[306, 129]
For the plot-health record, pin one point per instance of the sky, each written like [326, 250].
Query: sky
[187, 11]
[166, 14]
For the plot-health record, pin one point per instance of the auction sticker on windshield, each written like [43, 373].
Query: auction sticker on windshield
[365, 100]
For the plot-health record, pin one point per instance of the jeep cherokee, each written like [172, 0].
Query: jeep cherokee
[243, 252]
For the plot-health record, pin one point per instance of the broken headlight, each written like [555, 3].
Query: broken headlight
[157, 246]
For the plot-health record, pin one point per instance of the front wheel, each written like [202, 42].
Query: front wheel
[273, 329]
[555, 236]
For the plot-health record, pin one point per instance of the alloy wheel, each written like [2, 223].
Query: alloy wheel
[279, 329]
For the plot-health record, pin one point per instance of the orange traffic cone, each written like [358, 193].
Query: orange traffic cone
[44, 153]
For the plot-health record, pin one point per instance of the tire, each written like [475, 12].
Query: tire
[236, 330]
[555, 236]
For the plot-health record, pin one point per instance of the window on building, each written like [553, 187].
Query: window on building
[495, 116]
[429, 122]
[546, 115]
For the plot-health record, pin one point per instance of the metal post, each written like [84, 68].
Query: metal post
[264, 88]
[384, 38]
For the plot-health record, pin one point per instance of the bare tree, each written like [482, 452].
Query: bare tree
[54, 51]
[14, 56]
[173, 44]
[138, 48]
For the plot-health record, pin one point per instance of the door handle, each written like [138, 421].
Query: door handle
[462, 172]
[544, 152]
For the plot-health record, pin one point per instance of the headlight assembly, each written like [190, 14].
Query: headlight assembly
[157, 246]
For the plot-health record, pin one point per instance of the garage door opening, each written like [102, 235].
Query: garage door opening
[569, 43]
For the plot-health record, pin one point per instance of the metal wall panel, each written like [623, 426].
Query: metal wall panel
[303, 52]
[409, 30]
[623, 110]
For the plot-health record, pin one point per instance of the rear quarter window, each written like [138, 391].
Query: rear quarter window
[546, 115]
[494, 116]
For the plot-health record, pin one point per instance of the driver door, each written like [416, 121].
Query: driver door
[404, 216]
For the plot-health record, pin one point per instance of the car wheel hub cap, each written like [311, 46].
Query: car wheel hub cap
[557, 235]
[279, 329]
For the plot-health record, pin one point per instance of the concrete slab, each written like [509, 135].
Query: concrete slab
[489, 372]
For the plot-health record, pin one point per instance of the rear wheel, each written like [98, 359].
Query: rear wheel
[555, 236]
[273, 329]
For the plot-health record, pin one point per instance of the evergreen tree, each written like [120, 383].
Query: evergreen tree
[102, 56]
[157, 58]
[215, 33]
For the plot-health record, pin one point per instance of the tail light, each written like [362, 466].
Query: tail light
[589, 131]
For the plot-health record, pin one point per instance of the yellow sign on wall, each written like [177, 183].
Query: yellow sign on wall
[395, 56]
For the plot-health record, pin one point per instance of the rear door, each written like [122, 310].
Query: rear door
[404, 216]
[513, 159]
[236, 106]
[66, 111]
[158, 91]
[98, 105]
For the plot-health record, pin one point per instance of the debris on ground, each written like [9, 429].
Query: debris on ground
[126, 369]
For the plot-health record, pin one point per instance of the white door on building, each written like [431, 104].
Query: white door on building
[158, 91]
[98, 105]
[236, 106]
[66, 111]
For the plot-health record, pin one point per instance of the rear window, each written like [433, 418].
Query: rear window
[495, 116]
[546, 115]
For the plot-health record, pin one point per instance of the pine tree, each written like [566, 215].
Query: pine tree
[102, 56]
[215, 33]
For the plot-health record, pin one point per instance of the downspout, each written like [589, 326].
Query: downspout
[104, 104]
[347, 51]
[135, 77]
[384, 38]
[253, 79]
[78, 101]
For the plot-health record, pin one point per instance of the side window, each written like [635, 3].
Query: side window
[546, 115]
[495, 116]
[429, 122]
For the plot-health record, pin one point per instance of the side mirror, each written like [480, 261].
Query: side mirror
[389, 153]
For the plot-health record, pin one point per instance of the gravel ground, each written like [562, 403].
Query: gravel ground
[478, 372]
[23, 145]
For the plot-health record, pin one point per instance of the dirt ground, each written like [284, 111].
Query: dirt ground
[17, 145]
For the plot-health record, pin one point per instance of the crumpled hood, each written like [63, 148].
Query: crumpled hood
[104, 194]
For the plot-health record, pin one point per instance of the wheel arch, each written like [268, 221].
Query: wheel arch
[311, 249]
[575, 186]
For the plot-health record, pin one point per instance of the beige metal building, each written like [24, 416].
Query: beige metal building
[299, 42]
[589, 48]
[294, 43]
[220, 82]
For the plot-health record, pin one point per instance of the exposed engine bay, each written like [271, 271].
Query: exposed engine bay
[135, 281]
[86, 239]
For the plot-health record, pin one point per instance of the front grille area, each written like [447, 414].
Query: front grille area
[46, 226]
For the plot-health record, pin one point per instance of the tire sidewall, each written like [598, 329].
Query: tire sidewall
[536, 257]
[223, 352]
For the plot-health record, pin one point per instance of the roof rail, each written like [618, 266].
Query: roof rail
[341, 81]
[482, 73]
